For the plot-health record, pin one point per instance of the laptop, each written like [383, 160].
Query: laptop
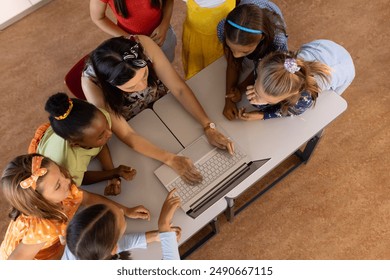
[221, 173]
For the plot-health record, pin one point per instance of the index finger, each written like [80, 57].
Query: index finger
[171, 193]
[230, 147]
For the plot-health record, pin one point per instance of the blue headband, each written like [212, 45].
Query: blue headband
[254, 31]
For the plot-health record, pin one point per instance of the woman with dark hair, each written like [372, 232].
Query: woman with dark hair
[98, 233]
[125, 76]
[78, 131]
[251, 30]
[142, 17]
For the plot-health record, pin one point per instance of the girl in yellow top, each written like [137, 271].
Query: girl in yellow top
[43, 199]
[200, 42]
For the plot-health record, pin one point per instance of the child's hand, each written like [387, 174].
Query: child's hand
[168, 209]
[230, 110]
[186, 169]
[126, 172]
[177, 230]
[250, 116]
[138, 212]
[234, 95]
[252, 96]
[113, 187]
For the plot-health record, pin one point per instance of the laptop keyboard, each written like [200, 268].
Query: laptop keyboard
[211, 169]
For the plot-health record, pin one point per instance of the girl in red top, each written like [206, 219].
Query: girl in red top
[142, 17]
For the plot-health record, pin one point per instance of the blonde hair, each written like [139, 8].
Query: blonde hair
[276, 80]
[28, 201]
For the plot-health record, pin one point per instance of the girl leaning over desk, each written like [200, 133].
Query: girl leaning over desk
[289, 83]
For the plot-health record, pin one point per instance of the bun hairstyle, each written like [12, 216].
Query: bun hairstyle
[69, 116]
[93, 233]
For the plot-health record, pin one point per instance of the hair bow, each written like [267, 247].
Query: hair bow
[290, 64]
[36, 172]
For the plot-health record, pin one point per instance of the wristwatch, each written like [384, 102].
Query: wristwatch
[210, 125]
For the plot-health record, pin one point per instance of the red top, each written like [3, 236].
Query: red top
[143, 18]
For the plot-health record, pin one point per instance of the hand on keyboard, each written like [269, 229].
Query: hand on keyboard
[186, 169]
[219, 140]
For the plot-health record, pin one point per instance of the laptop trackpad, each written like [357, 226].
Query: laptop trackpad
[198, 149]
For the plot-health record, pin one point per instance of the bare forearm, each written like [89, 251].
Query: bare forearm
[109, 27]
[188, 100]
[146, 148]
[91, 177]
[167, 12]
[232, 72]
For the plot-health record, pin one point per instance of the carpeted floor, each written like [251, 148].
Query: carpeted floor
[336, 207]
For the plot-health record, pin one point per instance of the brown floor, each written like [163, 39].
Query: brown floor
[336, 207]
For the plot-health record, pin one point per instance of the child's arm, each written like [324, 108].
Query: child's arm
[109, 173]
[168, 234]
[233, 94]
[97, 11]
[26, 251]
[138, 212]
[159, 34]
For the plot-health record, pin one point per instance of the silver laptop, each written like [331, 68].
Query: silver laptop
[221, 173]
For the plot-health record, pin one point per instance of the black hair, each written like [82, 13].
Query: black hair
[113, 70]
[253, 17]
[79, 116]
[93, 233]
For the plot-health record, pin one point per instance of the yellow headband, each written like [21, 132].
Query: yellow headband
[67, 112]
[36, 172]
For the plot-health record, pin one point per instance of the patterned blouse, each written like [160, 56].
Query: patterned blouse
[274, 110]
[32, 230]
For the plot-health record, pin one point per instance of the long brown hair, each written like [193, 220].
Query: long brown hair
[28, 201]
[276, 81]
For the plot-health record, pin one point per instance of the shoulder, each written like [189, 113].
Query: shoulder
[53, 146]
[151, 49]
[107, 115]
[34, 230]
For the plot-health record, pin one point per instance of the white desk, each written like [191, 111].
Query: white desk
[276, 139]
[146, 189]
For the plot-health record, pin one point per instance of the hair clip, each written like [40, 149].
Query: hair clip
[66, 114]
[290, 64]
[249, 30]
[36, 172]
[133, 57]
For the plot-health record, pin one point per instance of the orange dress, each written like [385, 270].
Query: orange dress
[33, 230]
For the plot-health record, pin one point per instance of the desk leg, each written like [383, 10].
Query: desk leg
[304, 157]
[230, 210]
[310, 146]
[214, 230]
